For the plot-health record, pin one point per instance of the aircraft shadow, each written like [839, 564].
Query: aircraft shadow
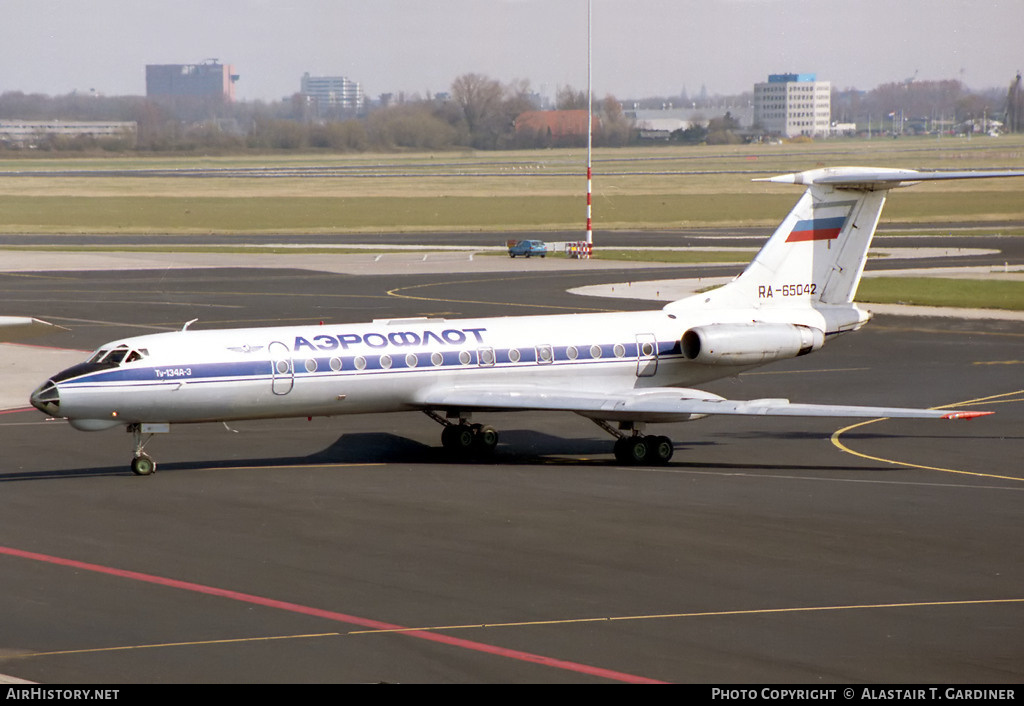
[517, 447]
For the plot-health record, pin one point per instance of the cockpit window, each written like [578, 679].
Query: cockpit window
[118, 356]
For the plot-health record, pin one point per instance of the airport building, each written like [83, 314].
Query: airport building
[325, 94]
[32, 133]
[207, 80]
[793, 105]
[655, 124]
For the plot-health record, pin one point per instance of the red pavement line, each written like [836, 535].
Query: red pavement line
[331, 615]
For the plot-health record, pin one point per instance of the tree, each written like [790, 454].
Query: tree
[568, 98]
[616, 128]
[1015, 106]
[721, 130]
[480, 99]
[278, 134]
[412, 125]
[347, 136]
[489, 109]
[693, 135]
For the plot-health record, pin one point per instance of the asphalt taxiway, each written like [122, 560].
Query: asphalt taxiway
[351, 550]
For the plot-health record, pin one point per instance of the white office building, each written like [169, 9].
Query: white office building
[332, 92]
[792, 105]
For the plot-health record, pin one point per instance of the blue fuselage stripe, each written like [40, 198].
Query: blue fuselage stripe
[322, 366]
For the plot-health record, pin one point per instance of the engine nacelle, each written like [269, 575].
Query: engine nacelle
[749, 344]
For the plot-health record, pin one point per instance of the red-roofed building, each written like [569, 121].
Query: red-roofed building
[556, 128]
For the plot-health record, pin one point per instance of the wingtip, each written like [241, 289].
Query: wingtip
[796, 178]
[966, 415]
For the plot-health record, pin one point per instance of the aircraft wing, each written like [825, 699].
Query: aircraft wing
[654, 404]
[16, 327]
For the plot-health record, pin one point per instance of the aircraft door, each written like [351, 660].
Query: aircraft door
[485, 357]
[282, 369]
[646, 355]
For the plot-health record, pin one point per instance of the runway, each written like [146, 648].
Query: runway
[351, 550]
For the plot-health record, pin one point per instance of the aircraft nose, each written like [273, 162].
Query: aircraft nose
[46, 399]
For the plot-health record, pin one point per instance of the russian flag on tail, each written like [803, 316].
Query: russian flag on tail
[825, 223]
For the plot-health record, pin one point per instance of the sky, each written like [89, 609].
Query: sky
[641, 48]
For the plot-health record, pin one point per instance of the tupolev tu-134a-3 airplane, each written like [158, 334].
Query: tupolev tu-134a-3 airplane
[622, 370]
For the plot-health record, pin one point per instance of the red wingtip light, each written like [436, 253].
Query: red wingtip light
[966, 415]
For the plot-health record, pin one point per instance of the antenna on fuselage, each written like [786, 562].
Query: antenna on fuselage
[188, 323]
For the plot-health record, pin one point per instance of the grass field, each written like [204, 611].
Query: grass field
[635, 188]
[936, 291]
[689, 257]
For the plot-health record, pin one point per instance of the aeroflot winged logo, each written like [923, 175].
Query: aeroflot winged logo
[826, 222]
[245, 349]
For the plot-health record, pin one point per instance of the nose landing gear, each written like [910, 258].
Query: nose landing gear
[142, 463]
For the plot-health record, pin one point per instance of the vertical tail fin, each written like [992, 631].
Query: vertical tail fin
[817, 254]
[816, 257]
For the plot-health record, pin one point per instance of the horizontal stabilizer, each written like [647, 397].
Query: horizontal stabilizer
[879, 178]
[13, 328]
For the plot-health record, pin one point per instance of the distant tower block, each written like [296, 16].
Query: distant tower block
[207, 80]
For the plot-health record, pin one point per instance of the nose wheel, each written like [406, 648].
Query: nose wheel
[143, 465]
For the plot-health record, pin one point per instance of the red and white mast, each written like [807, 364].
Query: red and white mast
[590, 129]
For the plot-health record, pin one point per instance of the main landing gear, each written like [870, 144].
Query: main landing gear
[632, 446]
[464, 439]
[636, 448]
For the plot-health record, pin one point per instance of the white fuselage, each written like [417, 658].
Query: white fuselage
[230, 374]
